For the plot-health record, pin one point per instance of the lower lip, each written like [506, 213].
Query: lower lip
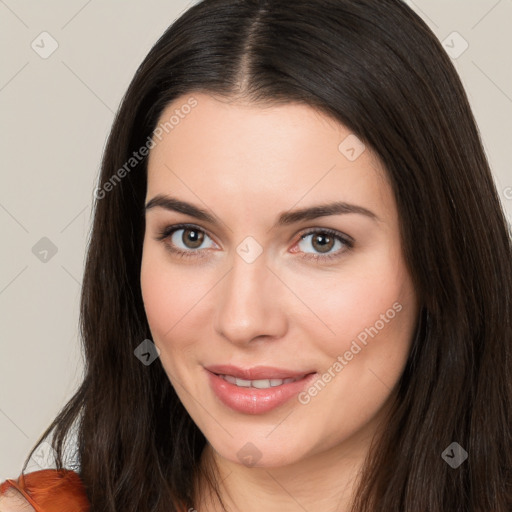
[254, 400]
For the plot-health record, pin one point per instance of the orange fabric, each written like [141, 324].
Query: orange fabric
[49, 490]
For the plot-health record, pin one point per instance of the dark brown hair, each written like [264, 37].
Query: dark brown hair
[374, 66]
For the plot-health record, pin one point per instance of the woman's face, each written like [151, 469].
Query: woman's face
[290, 260]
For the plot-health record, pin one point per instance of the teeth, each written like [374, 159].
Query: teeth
[259, 384]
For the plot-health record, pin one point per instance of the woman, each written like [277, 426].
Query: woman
[298, 291]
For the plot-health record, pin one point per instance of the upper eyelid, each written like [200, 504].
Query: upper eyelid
[172, 228]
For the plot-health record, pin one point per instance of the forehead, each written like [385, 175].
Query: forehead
[262, 153]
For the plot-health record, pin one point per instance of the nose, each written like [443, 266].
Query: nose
[250, 303]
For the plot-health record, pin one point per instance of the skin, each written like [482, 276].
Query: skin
[247, 164]
[13, 501]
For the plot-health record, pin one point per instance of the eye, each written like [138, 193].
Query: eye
[324, 241]
[185, 240]
[188, 240]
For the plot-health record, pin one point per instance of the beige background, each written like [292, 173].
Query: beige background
[56, 114]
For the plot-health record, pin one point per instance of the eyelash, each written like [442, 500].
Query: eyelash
[168, 231]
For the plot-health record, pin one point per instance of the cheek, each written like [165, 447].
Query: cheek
[368, 313]
[156, 294]
[172, 294]
[160, 287]
[373, 316]
[352, 301]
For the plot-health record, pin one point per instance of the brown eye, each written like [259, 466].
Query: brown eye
[322, 242]
[186, 240]
[192, 238]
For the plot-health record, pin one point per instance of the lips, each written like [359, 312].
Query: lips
[256, 396]
[258, 372]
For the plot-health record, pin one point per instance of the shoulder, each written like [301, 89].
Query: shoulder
[44, 490]
[13, 501]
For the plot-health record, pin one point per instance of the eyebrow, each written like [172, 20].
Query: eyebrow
[285, 218]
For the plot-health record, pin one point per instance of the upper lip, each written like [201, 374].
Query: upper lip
[256, 372]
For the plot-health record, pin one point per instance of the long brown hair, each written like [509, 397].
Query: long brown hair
[374, 66]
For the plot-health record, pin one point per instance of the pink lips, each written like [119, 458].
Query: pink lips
[250, 400]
